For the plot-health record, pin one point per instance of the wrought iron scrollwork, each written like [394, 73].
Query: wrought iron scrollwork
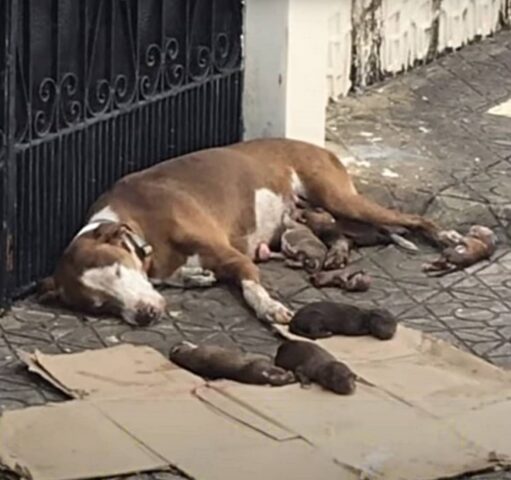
[153, 62]
[227, 51]
[174, 71]
[47, 96]
[100, 94]
[57, 98]
[71, 108]
[200, 62]
[116, 66]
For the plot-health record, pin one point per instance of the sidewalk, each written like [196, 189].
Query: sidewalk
[420, 142]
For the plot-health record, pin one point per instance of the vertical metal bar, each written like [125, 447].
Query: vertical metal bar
[85, 99]
[21, 272]
[37, 205]
[231, 119]
[158, 113]
[239, 82]
[110, 139]
[147, 150]
[163, 53]
[49, 231]
[9, 173]
[172, 147]
[204, 113]
[56, 35]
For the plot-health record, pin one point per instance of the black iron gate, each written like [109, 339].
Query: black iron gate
[94, 89]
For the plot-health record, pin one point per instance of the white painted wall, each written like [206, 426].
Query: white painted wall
[265, 50]
[463, 20]
[406, 31]
[286, 47]
[339, 47]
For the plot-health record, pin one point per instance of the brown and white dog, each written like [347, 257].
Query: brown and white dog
[202, 216]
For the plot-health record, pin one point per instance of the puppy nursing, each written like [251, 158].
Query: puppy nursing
[312, 241]
[321, 244]
[301, 247]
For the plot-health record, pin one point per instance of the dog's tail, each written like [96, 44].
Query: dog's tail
[403, 243]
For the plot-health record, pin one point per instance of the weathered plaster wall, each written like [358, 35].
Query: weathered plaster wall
[407, 32]
[389, 36]
[339, 48]
[366, 18]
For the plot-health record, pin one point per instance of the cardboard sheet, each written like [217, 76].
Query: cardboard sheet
[432, 411]
[503, 109]
[117, 371]
[421, 370]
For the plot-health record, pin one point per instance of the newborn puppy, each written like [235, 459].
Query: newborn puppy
[324, 226]
[324, 319]
[215, 362]
[351, 281]
[461, 252]
[330, 230]
[301, 248]
[312, 364]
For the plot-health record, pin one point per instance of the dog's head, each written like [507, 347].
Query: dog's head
[382, 324]
[337, 376]
[104, 270]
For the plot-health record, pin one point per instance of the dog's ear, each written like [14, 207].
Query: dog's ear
[109, 232]
[47, 291]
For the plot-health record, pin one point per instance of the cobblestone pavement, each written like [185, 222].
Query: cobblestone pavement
[422, 142]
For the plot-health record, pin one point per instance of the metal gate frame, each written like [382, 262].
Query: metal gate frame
[8, 32]
[94, 89]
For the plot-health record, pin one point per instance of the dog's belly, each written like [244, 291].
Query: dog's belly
[269, 211]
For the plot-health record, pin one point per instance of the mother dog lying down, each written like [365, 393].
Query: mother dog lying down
[204, 212]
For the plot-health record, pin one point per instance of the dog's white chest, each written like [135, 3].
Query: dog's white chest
[269, 210]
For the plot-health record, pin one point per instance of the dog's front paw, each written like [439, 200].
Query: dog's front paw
[265, 307]
[275, 312]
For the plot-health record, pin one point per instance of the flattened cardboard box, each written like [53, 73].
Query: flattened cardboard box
[433, 411]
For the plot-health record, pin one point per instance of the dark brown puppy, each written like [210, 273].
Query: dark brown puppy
[325, 319]
[349, 280]
[312, 364]
[360, 234]
[479, 244]
[213, 362]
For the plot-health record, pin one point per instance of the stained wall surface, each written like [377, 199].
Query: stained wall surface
[369, 39]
